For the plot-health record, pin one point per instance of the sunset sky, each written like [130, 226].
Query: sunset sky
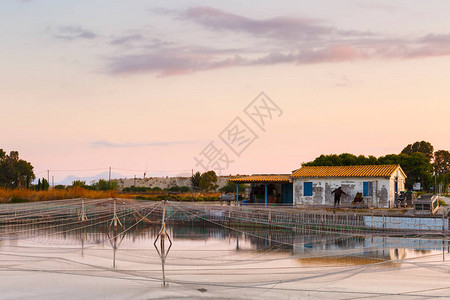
[147, 85]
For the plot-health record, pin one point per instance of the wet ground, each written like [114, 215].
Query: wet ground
[218, 262]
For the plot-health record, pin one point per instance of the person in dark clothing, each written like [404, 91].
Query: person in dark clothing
[337, 195]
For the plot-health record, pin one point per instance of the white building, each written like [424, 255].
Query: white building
[378, 184]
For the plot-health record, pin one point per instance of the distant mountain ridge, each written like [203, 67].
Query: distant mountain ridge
[104, 175]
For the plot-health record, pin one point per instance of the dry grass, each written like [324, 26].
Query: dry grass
[28, 195]
[24, 195]
[203, 196]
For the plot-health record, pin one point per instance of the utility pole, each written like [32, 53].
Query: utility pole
[192, 193]
[48, 175]
[109, 177]
[53, 181]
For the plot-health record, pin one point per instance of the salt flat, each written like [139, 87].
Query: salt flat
[222, 264]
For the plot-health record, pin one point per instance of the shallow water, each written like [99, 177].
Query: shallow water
[207, 261]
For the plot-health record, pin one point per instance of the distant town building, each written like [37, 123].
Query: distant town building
[164, 182]
[378, 184]
[374, 185]
[267, 188]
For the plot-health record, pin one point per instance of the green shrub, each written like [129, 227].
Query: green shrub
[16, 199]
[179, 189]
[442, 203]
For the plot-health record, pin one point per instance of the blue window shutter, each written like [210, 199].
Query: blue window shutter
[365, 188]
[307, 189]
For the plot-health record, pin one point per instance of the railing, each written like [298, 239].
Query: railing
[75, 211]
[292, 218]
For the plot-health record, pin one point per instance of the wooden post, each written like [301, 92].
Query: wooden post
[115, 215]
[163, 222]
[115, 219]
[83, 212]
[163, 231]
[443, 221]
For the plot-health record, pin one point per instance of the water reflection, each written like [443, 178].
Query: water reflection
[115, 239]
[224, 263]
[305, 246]
[163, 254]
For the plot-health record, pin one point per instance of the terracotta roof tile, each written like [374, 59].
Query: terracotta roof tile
[346, 171]
[262, 178]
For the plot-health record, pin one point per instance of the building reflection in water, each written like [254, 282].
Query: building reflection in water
[302, 244]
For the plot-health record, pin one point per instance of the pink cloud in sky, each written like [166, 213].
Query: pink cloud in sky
[277, 40]
[74, 33]
[81, 81]
[279, 27]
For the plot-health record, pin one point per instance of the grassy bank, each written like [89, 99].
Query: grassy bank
[198, 197]
[28, 195]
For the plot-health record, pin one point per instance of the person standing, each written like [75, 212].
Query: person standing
[337, 195]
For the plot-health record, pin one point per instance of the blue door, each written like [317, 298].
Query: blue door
[396, 191]
[287, 194]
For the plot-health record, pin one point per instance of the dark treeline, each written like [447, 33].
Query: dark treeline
[101, 185]
[139, 189]
[204, 182]
[15, 172]
[419, 161]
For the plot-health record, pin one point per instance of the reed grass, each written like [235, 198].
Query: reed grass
[29, 195]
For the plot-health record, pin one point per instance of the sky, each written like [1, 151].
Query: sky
[167, 87]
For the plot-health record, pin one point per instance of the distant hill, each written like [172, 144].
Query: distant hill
[104, 175]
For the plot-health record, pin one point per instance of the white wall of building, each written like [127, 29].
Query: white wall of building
[382, 190]
[164, 182]
[400, 179]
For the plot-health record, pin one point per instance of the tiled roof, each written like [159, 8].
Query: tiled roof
[262, 178]
[346, 171]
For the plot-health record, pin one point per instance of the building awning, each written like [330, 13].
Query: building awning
[266, 178]
[347, 171]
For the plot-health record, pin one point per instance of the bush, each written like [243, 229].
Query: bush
[442, 203]
[230, 187]
[139, 189]
[104, 185]
[179, 189]
[16, 199]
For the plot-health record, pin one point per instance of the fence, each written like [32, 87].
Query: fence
[292, 218]
[102, 211]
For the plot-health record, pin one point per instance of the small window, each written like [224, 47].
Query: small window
[367, 188]
[307, 189]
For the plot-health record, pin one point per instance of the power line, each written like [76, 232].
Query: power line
[113, 168]
[134, 170]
